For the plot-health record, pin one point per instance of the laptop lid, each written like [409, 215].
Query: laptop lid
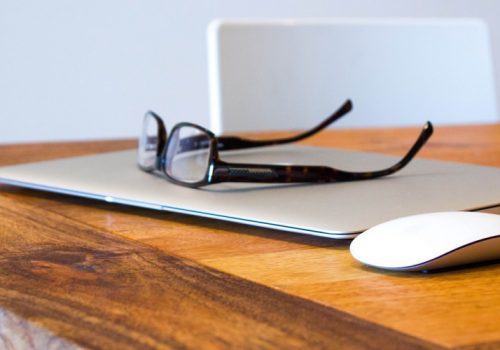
[286, 74]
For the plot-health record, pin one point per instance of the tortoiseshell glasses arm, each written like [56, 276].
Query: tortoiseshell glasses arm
[238, 172]
[226, 143]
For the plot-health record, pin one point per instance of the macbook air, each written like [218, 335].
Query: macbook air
[335, 210]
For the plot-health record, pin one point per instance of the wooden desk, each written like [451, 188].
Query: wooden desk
[76, 272]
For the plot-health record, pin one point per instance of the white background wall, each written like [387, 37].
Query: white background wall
[90, 69]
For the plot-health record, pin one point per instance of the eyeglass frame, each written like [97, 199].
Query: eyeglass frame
[220, 171]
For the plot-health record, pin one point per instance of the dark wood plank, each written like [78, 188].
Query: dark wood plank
[106, 292]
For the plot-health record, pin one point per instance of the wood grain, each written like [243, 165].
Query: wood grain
[103, 291]
[98, 275]
[22, 153]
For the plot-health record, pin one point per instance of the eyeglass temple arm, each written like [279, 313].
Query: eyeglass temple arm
[226, 143]
[296, 173]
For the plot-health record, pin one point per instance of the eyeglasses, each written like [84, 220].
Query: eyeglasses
[190, 155]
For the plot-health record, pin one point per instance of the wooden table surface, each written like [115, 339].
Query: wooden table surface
[80, 273]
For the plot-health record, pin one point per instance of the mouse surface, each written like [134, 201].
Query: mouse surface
[430, 241]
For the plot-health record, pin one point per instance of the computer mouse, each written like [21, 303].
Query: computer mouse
[430, 241]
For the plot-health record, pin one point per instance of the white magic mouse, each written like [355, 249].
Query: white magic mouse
[430, 241]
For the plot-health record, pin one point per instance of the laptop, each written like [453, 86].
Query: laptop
[335, 210]
[267, 74]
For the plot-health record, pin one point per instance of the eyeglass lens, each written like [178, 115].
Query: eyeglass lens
[188, 154]
[148, 143]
